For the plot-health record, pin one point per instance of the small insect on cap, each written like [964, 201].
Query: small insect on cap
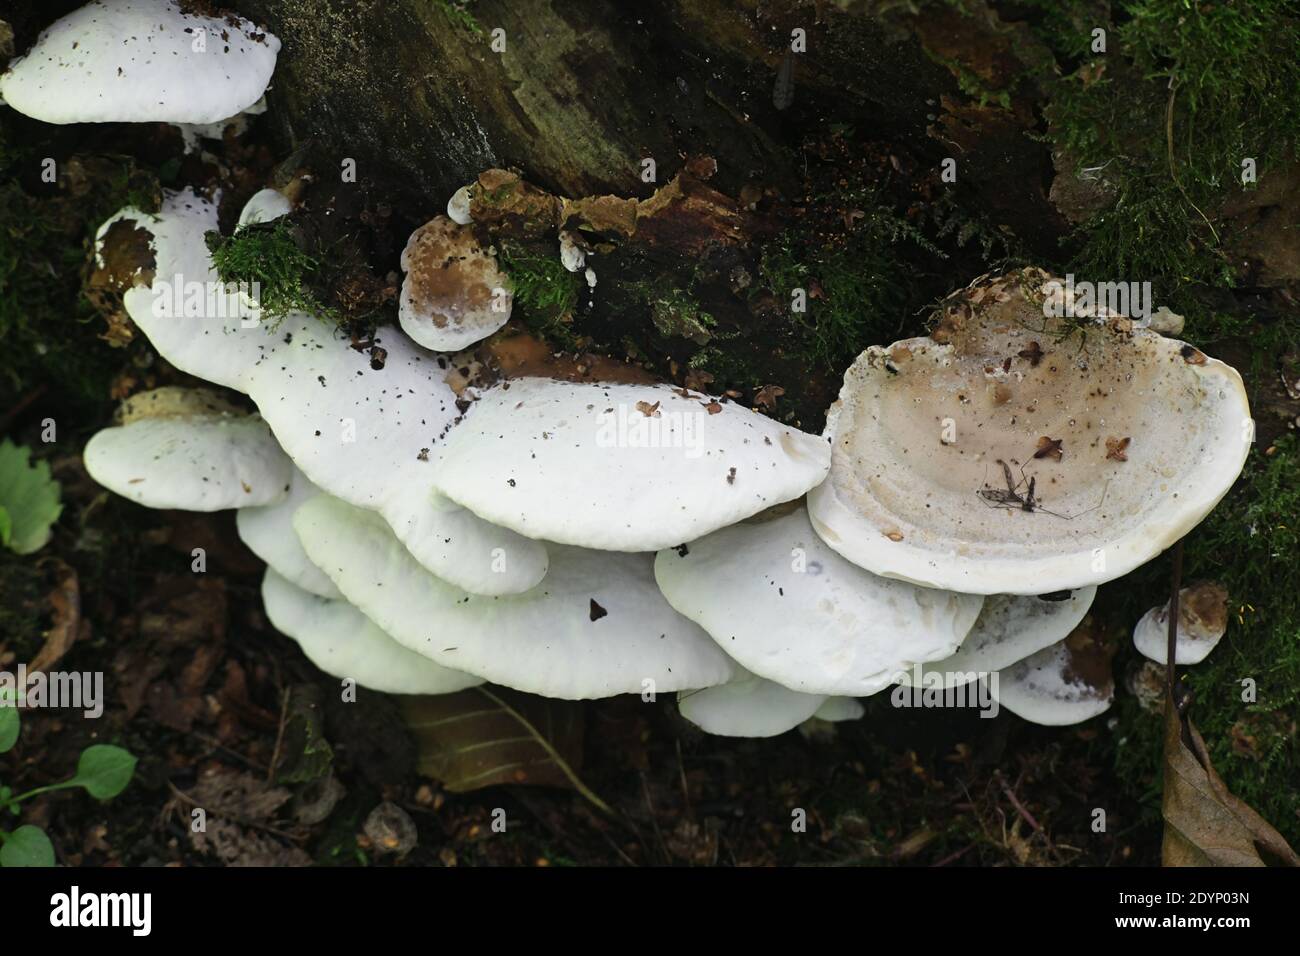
[141, 61]
[1018, 449]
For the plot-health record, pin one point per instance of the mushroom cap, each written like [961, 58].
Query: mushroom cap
[268, 532]
[453, 294]
[748, 707]
[363, 431]
[620, 467]
[1066, 683]
[1009, 628]
[790, 609]
[134, 61]
[339, 639]
[839, 709]
[265, 205]
[596, 627]
[203, 462]
[1202, 622]
[1130, 438]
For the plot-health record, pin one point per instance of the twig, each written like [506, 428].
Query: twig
[279, 735]
[1171, 640]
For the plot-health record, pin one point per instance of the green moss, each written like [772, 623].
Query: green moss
[1248, 544]
[853, 286]
[459, 13]
[266, 257]
[1185, 93]
[545, 293]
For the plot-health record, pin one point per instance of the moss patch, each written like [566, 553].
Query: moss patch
[265, 256]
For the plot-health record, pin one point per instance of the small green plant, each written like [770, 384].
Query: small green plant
[266, 257]
[103, 771]
[29, 500]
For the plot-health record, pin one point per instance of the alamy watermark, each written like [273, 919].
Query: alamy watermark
[177, 298]
[648, 425]
[73, 690]
[929, 689]
[1086, 299]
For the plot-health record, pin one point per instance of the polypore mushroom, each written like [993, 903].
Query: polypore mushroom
[1066, 683]
[453, 294]
[338, 639]
[1017, 452]
[1202, 621]
[748, 706]
[188, 449]
[265, 205]
[620, 467]
[596, 627]
[360, 427]
[790, 609]
[1010, 627]
[268, 532]
[141, 61]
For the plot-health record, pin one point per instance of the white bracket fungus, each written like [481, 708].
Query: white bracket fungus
[621, 467]
[365, 432]
[1066, 683]
[790, 609]
[186, 449]
[1009, 628]
[268, 532]
[748, 706]
[338, 639]
[141, 61]
[596, 627]
[1015, 452]
[1202, 621]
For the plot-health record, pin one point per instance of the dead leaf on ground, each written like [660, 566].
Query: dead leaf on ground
[1205, 824]
[487, 736]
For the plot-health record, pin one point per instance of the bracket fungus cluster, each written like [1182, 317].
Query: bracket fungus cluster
[582, 539]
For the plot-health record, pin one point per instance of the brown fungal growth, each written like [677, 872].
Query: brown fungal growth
[454, 294]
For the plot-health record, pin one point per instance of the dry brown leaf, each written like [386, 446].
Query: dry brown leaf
[1205, 824]
[486, 736]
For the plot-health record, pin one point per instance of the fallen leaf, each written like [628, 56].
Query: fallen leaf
[1205, 824]
[1049, 448]
[486, 736]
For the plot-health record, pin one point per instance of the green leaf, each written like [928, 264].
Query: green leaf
[28, 497]
[27, 846]
[8, 727]
[104, 770]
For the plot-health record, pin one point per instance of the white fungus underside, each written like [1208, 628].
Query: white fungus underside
[134, 61]
[544, 641]
[1010, 628]
[194, 464]
[268, 532]
[748, 707]
[1037, 689]
[342, 642]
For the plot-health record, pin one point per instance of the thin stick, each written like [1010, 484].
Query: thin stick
[1171, 641]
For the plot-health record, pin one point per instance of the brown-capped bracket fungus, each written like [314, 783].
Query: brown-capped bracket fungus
[1202, 622]
[141, 61]
[1065, 683]
[1017, 451]
[454, 294]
